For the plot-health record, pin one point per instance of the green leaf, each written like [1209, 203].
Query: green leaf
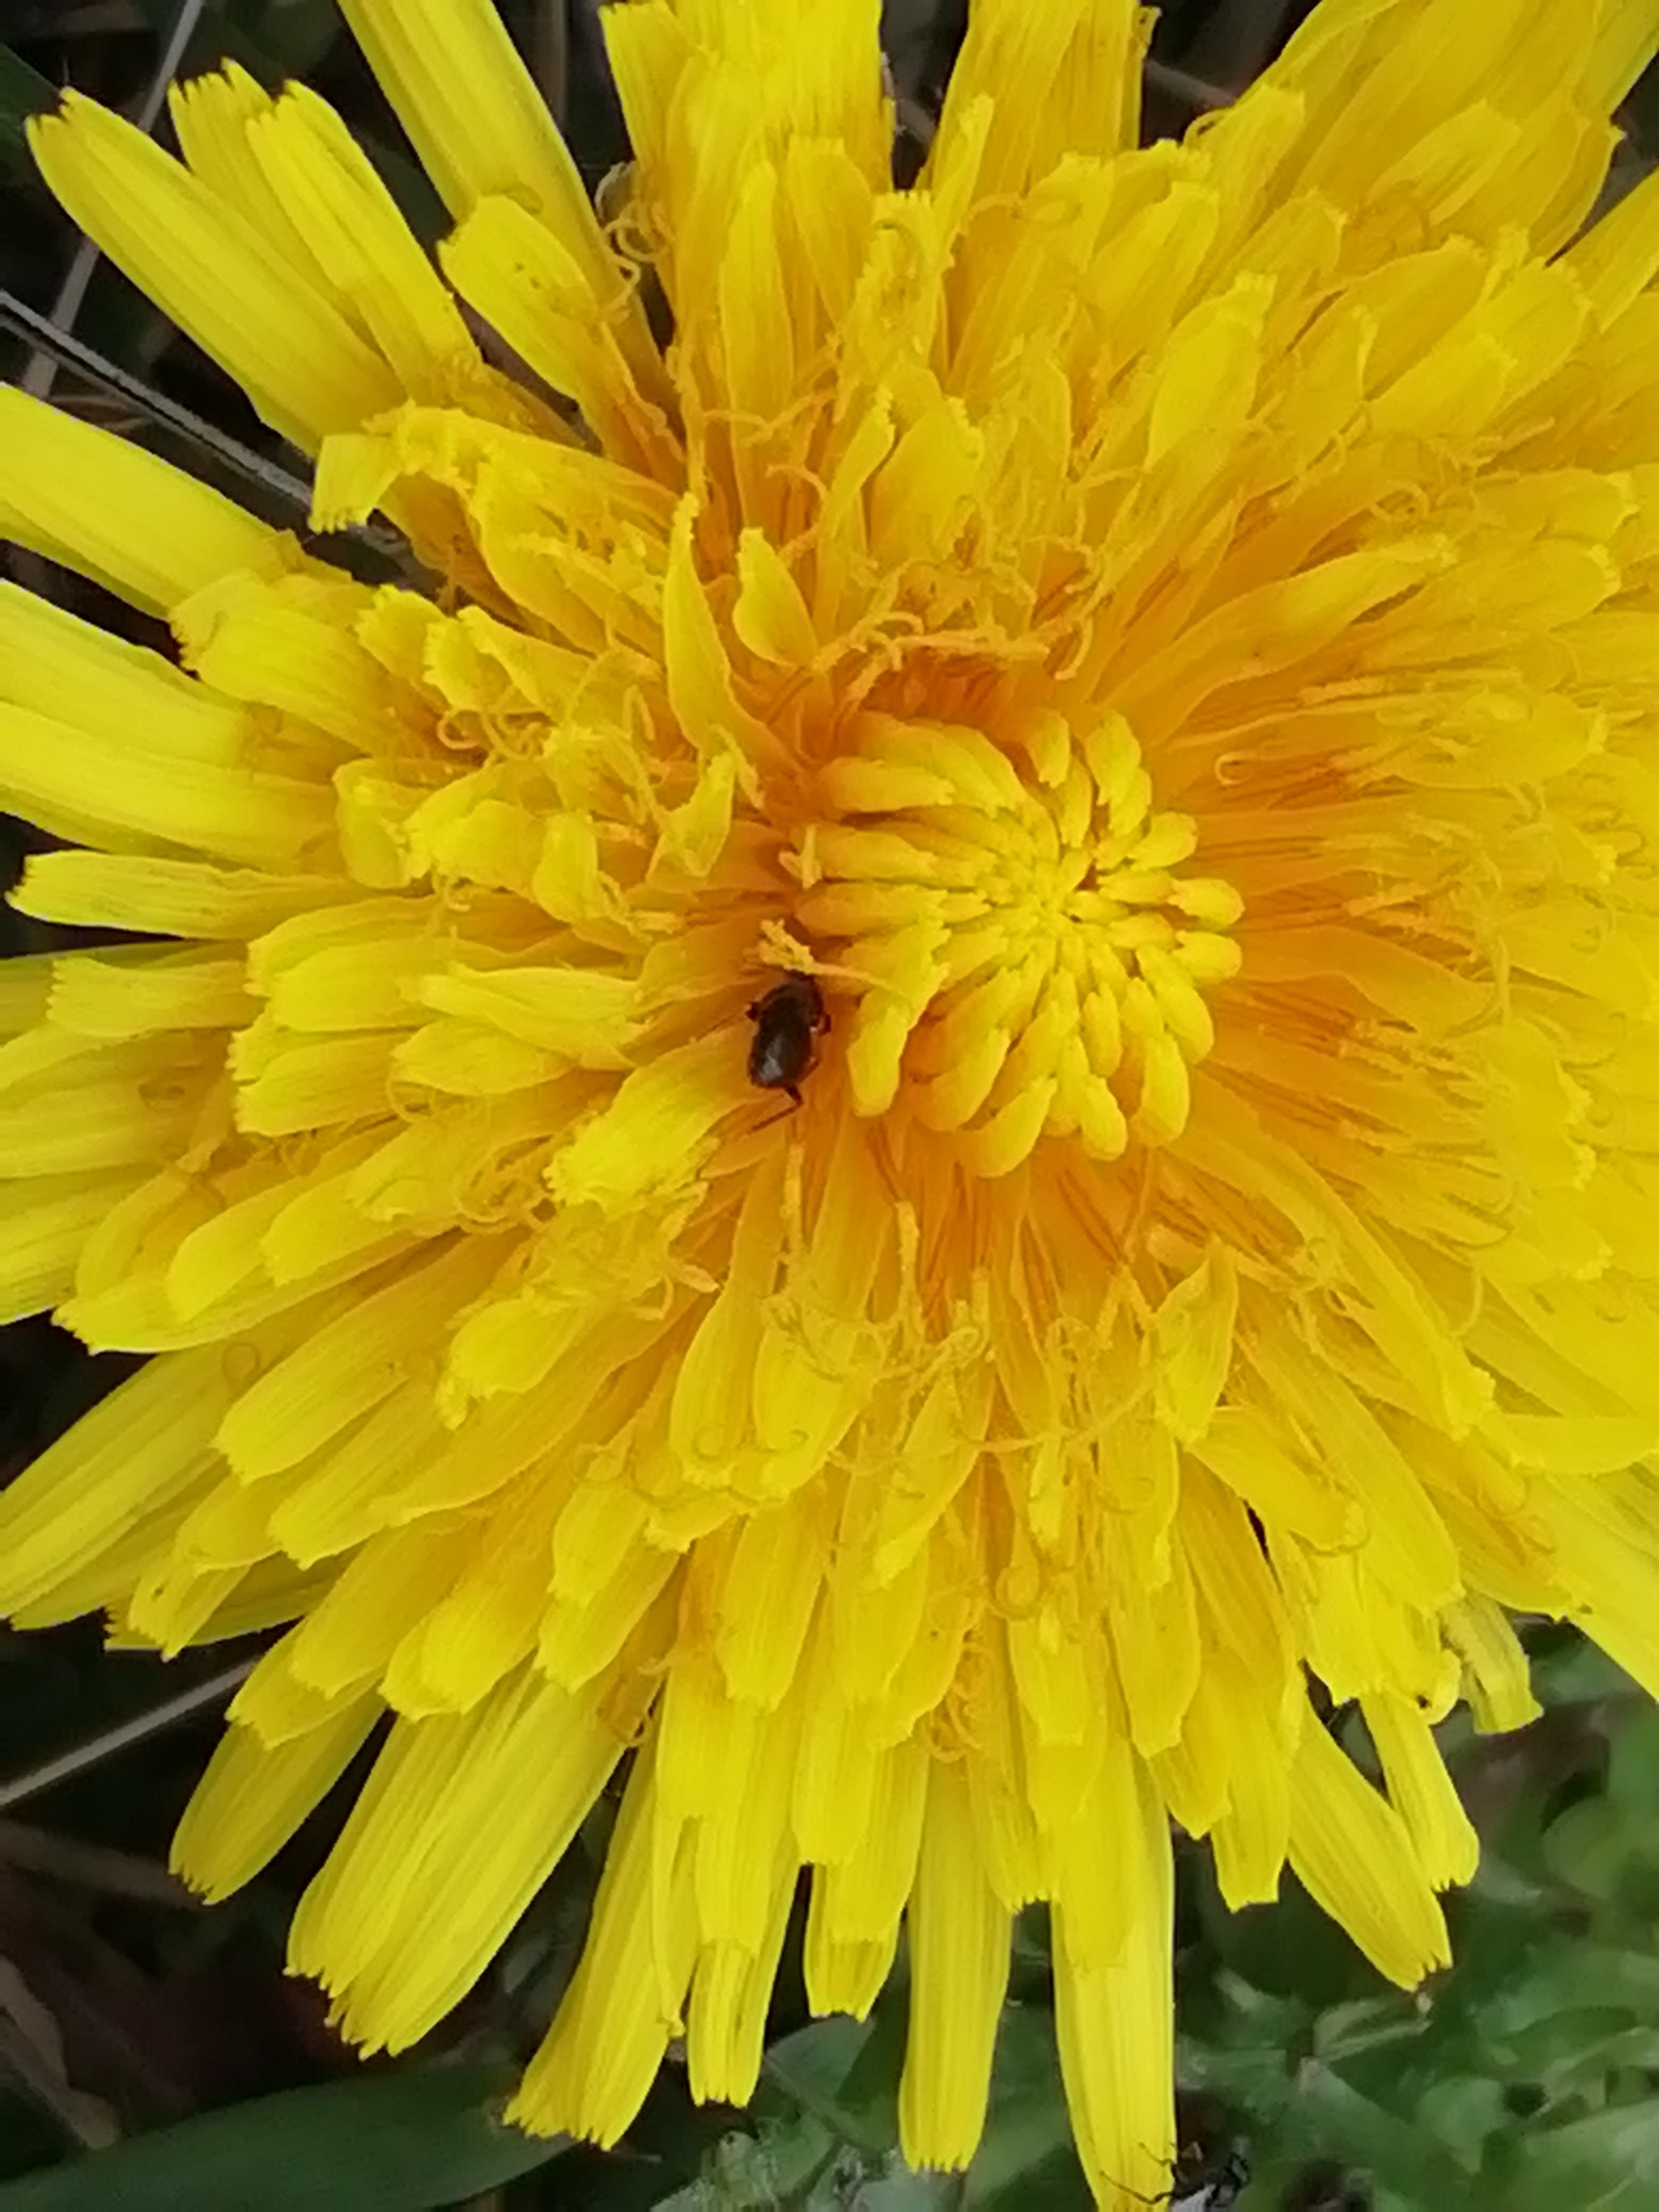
[799, 2167]
[896, 2189]
[1026, 2158]
[846, 2072]
[1464, 2112]
[1634, 1770]
[1572, 1977]
[812, 2064]
[1330, 2119]
[380, 2143]
[1608, 2161]
[752, 2173]
[1345, 2032]
[1569, 1669]
[23, 92]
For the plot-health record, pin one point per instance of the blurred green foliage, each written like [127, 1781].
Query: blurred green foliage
[152, 2053]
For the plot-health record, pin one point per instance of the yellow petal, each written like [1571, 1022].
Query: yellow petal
[301, 362]
[1356, 1857]
[398, 1940]
[479, 125]
[1420, 1790]
[137, 1447]
[959, 1935]
[526, 281]
[1116, 2025]
[109, 510]
[253, 1796]
[622, 2007]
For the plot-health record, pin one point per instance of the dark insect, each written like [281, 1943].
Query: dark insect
[786, 1020]
[1216, 2190]
[1211, 2171]
[1204, 2182]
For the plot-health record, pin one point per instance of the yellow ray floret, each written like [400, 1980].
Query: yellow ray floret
[475, 117]
[119, 516]
[299, 359]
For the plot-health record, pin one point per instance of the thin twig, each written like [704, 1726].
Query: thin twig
[40, 371]
[549, 56]
[98, 369]
[91, 1866]
[253, 468]
[914, 122]
[32, 2046]
[138, 1729]
[1192, 91]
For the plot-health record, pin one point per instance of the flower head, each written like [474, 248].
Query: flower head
[1164, 640]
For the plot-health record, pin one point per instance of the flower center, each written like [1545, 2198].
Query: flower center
[1028, 955]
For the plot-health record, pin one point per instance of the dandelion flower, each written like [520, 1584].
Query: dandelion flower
[1167, 640]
